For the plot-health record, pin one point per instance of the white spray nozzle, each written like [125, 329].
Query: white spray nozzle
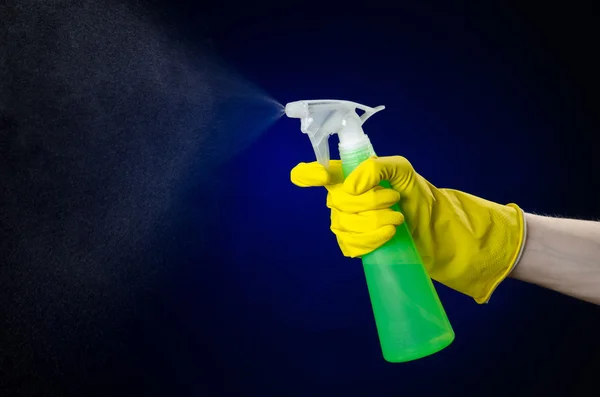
[296, 110]
[322, 118]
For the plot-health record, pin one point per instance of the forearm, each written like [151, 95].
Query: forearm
[562, 255]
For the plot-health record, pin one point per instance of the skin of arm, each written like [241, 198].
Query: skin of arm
[562, 255]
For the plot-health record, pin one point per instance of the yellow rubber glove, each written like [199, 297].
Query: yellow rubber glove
[467, 243]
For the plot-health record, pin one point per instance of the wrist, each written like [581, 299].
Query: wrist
[512, 225]
[523, 241]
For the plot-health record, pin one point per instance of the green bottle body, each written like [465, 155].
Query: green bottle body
[411, 321]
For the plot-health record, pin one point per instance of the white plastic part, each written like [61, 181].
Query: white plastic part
[324, 117]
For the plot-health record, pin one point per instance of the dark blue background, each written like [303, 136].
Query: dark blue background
[253, 297]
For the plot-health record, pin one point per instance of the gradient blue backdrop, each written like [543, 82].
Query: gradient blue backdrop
[487, 99]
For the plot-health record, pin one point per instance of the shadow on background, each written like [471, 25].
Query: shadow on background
[152, 243]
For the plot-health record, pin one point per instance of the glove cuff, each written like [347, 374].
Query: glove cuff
[522, 222]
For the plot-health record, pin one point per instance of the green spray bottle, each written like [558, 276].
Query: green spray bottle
[410, 319]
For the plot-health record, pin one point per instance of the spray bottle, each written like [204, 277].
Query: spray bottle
[410, 319]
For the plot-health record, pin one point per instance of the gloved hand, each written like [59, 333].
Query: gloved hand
[467, 243]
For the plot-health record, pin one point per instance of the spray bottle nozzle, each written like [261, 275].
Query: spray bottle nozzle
[322, 118]
[295, 110]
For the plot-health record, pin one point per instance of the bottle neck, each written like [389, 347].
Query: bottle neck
[359, 143]
[355, 145]
[351, 133]
[353, 155]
